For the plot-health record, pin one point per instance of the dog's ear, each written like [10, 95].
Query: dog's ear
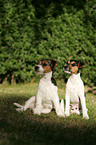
[53, 64]
[80, 64]
[40, 60]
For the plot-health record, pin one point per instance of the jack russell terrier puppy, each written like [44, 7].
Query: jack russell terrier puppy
[47, 93]
[75, 89]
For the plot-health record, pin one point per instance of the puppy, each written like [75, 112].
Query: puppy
[75, 89]
[47, 93]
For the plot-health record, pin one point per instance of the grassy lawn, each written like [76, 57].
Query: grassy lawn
[46, 129]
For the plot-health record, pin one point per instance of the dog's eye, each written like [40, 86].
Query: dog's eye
[44, 64]
[73, 64]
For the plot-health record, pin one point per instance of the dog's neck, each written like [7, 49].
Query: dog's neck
[47, 75]
[75, 76]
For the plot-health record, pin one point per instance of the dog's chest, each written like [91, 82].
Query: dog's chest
[74, 87]
[46, 88]
[74, 82]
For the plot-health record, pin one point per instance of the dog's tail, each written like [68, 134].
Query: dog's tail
[30, 103]
[18, 105]
[62, 105]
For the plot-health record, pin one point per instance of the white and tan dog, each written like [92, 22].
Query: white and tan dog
[75, 89]
[47, 93]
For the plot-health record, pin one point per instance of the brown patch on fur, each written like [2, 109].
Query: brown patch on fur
[47, 69]
[74, 69]
[75, 65]
[46, 66]
[73, 62]
[45, 62]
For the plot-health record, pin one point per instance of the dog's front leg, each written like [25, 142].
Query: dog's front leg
[84, 109]
[58, 109]
[38, 108]
[67, 108]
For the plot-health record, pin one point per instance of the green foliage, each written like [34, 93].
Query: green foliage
[59, 29]
[17, 41]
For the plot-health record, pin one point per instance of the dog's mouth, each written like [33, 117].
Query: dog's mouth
[67, 71]
[39, 72]
[39, 69]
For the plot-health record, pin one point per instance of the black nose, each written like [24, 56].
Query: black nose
[36, 68]
[66, 67]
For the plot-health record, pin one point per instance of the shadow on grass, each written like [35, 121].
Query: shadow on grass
[28, 129]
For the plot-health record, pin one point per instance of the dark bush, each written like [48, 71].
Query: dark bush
[57, 29]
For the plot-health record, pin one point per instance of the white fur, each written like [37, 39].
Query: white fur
[74, 91]
[46, 98]
[40, 70]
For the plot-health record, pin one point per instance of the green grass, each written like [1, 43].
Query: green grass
[46, 129]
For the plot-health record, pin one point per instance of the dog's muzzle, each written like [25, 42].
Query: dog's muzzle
[67, 69]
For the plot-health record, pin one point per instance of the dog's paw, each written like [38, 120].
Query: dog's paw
[67, 114]
[86, 117]
[19, 110]
[62, 105]
[36, 111]
[61, 114]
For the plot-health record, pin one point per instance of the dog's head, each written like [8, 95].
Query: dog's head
[45, 66]
[73, 66]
